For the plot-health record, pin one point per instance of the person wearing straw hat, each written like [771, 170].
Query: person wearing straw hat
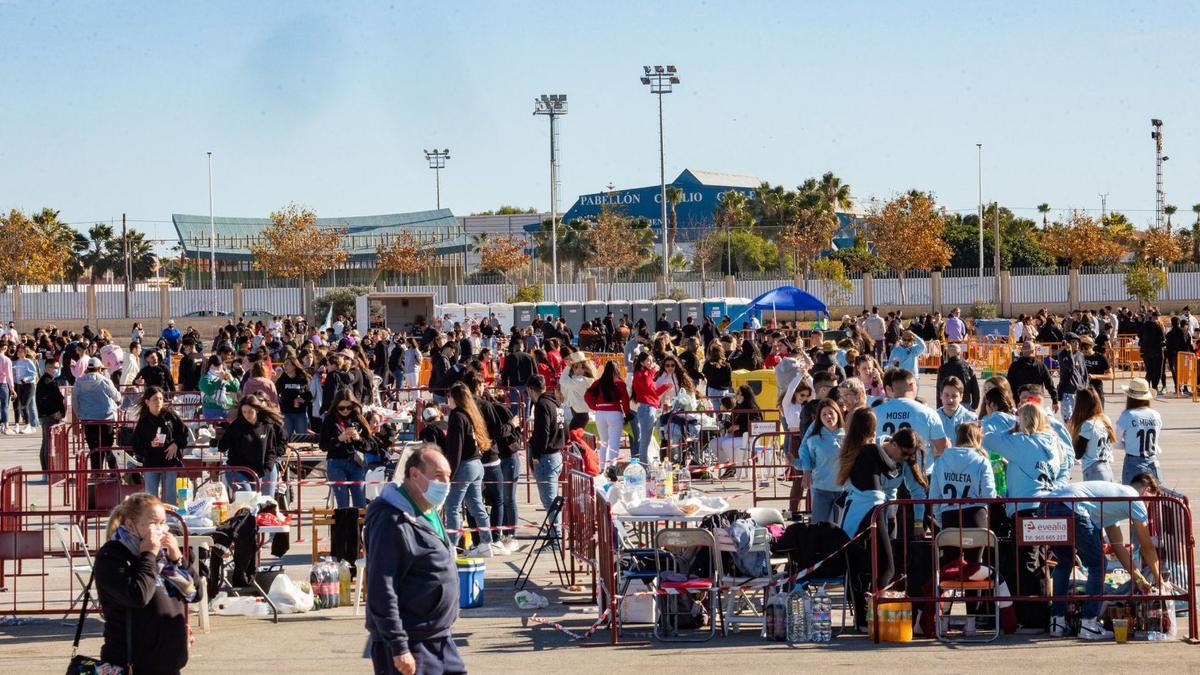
[1138, 429]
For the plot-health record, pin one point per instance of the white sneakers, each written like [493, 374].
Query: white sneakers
[479, 551]
[28, 429]
[1092, 629]
[1059, 627]
[510, 544]
[8, 431]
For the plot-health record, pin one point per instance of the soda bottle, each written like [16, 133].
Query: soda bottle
[314, 582]
[344, 583]
[668, 477]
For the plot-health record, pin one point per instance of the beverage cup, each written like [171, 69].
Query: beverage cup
[1121, 630]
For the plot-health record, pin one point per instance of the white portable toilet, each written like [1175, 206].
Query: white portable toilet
[504, 314]
[475, 312]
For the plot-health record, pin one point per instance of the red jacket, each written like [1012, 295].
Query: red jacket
[644, 390]
[596, 401]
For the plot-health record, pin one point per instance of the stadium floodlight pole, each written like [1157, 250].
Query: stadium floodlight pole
[1157, 135]
[552, 105]
[979, 177]
[212, 238]
[437, 162]
[660, 79]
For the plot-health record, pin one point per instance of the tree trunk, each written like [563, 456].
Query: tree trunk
[900, 278]
[805, 276]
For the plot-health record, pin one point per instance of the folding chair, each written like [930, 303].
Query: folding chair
[67, 540]
[964, 539]
[677, 540]
[736, 592]
[764, 516]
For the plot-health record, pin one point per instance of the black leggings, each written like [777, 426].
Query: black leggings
[858, 559]
[24, 403]
[99, 436]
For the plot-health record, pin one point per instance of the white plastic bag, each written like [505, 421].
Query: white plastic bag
[639, 608]
[375, 479]
[288, 597]
[237, 605]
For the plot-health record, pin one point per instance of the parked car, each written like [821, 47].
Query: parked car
[207, 312]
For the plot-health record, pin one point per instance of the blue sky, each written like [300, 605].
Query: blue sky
[110, 107]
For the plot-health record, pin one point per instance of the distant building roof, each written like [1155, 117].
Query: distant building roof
[361, 233]
[716, 178]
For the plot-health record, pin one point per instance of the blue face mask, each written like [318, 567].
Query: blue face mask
[436, 492]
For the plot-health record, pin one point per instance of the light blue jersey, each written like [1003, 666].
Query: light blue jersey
[898, 413]
[997, 421]
[1099, 445]
[960, 473]
[1067, 448]
[1104, 514]
[1034, 464]
[951, 423]
[906, 357]
[1138, 431]
[819, 454]
[891, 488]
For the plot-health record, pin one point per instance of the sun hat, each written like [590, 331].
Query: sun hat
[577, 357]
[1087, 341]
[1139, 389]
[829, 346]
[431, 413]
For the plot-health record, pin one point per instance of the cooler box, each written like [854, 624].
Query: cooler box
[471, 572]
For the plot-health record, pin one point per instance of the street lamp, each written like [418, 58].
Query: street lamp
[660, 79]
[979, 176]
[552, 105]
[1159, 197]
[437, 162]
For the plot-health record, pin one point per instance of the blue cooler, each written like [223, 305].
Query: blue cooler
[471, 572]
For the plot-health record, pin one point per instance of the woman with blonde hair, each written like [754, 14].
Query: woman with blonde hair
[466, 440]
[142, 583]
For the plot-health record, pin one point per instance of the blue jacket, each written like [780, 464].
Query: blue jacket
[95, 397]
[951, 423]
[1035, 464]
[412, 580]
[906, 357]
[819, 454]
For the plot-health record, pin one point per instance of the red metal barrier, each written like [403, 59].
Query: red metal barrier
[769, 473]
[1170, 522]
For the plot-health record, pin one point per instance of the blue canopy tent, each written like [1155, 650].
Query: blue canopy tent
[785, 299]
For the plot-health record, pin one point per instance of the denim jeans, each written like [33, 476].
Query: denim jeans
[824, 509]
[346, 469]
[510, 468]
[1088, 540]
[5, 393]
[161, 484]
[295, 423]
[1066, 406]
[466, 486]
[493, 484]
[241, 481]
[643, 423]
[547, 469]
[1135, 465]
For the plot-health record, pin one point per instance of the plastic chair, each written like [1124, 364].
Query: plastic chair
[965, 539]
[677, 540]
[195, 543]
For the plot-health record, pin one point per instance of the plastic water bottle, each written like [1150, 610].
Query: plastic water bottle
[653, 478]
[683, 481]
[331, 583]
[344, 583]
[635, 480]
[668, 478]
[314, 582]
[799, 605]
[822, 625]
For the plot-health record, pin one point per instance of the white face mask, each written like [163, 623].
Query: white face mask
[436, 492]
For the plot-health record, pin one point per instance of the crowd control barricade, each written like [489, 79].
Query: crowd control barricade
[1185, 374]
[772, 468]
[703, 461]
[1045, 529]
[47, 546]
[579, 523]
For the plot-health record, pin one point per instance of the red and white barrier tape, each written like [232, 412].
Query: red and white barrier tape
[570, 633]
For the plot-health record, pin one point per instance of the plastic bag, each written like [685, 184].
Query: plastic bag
[233, 605]
[374, 482]
[638, 604]
[289, 597]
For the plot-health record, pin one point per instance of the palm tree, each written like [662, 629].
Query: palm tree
[142, 261]
[69, 239]
[572, 243]
[1044, 209]
[732, 211]
[1170, 210]
[674, 197]
[1196, 234]
[836, 193]
[96, 256]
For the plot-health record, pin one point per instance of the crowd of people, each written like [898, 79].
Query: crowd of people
[860, 430]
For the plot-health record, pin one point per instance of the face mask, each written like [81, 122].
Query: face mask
[436, 492]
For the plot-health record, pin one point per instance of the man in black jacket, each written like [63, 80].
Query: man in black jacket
[412, 590]
[519, 368]
[1072, 374]
[1151, 343]
[1029, 369]
[545, 448]
[191, 367]
[155, 374]
[954, 366]
[51, 407]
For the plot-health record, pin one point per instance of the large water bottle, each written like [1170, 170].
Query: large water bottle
[654, 480]
[822, 620]
[799, 604]
[635, 481]
[683, 480]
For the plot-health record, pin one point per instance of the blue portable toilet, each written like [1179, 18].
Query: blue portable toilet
[572, 314]
[668, 307]
[644, 310]
[523, 313]
[595, 309]
[548, 309]
[692, 308]
[715, 309]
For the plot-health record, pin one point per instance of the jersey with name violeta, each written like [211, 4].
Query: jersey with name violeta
[960, 473]
[819, 454]
[951, 423]
[895, 414]
[1138, 430]
[1099, 445]
[1034, 464]
[1104, 514]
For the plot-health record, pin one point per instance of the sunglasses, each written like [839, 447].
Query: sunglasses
[345, 408]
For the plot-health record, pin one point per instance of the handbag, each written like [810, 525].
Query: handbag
[87, 665]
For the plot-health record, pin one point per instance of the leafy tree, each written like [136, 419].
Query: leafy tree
[1160, 247]
[96, 256]
[504, 256]
[1144, 282]
[835, 192]
[404, 254]
[478, 242]
[907, 234]
[808, 224]
[742, 251]
[617, 242]
[1196, 234]
[1044, 209]
[1081, 240]
[832, 275]
[292, 246]
[654, 264]
[507, 210]
[69, 238]
[732, 212]
[344, 301]
[142, 261]
[573, 242]
[29, 252]
[527, 293]
[858, 257]
[1018, 240]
